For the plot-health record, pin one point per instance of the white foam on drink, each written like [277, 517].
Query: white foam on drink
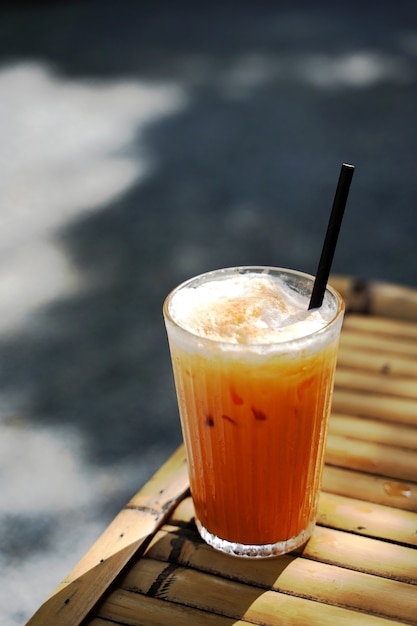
[246, 309]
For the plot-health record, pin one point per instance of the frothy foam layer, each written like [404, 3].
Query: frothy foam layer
[246, 308]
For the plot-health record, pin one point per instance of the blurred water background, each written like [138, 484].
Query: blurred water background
[140, 144]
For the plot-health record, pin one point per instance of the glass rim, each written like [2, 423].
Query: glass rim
[245, 269]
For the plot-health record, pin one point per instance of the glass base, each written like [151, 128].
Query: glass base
[255, 551]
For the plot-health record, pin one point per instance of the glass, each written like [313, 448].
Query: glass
[254, 421]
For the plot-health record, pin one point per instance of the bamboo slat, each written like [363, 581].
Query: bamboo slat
[360, 567]
[377, 298]
[383, 326]
[133, 609]
[362, 554]
[370, 519]
[129, 531]
[336, 547]
[293, 575]
[377, 406]
[373, 458]
[371, 488]
[342, 513]
[376, 383]
[380, 344]
[395, 366]
[234, 599]
[373, 430]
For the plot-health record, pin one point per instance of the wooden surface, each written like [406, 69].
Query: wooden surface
[150, 568]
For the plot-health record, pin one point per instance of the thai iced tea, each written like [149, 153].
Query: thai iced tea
[254, 373]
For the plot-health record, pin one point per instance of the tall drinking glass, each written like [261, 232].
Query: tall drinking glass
[254, 375]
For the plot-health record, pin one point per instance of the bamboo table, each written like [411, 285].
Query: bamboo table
[150, 568]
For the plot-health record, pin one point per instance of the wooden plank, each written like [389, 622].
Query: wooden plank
[367, 518]
[233, 599]
[292, 575]
[373, 430]
[128, 532]
[373, 458]
[395, 410]
[367, 487]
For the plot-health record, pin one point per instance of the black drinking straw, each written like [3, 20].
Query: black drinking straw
[330, 240]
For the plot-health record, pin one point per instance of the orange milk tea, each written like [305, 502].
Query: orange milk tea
[254, 373]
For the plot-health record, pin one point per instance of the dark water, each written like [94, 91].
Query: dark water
[142, 146]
